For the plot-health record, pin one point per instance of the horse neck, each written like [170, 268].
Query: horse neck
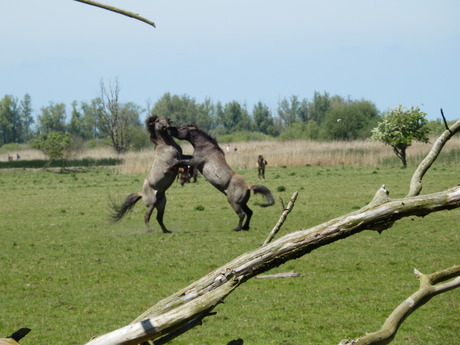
[199, 139]
[163, 138]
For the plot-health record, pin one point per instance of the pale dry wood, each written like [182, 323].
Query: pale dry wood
[284, 214]
[428, 289]
[177, 309]
[416, 182]
[117, 10]
[290, 274]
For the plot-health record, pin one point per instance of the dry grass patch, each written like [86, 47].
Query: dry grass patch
[298, 153]
[277, 153]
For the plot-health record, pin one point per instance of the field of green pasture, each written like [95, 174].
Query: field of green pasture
[69, 274]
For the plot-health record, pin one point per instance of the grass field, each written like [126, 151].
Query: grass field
[69, 274]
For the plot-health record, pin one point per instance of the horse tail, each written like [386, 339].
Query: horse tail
[259, 189]
[119, 210]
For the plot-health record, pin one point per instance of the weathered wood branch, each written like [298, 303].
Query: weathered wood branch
[428, 289]
[290, 274]
[207, 292]
[202, 296]
[117, 10]
[416, 182]
[283, 217]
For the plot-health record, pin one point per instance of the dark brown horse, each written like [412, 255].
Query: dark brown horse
[261, 164]
[209, 159]
[166, 160]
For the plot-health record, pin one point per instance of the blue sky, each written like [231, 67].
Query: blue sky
[389, 52]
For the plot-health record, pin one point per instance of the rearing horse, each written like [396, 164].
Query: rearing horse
[167, 158]
[209, 159]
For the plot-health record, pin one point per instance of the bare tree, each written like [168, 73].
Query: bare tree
[186, 308]
[117, 121]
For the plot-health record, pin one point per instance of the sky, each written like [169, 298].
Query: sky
[389, 52]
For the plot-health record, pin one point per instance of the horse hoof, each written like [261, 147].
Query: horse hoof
[237, 229]
[167, 232]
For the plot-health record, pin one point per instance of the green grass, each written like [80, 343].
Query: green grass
[69, 274]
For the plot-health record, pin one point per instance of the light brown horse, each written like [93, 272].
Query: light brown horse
[167, 157]
[209, 159]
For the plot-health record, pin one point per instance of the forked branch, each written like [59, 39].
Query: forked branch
[283, 217]
[429, 287]
[416, 182]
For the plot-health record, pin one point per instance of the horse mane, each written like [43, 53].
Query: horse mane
[150, 123]
[206, 136]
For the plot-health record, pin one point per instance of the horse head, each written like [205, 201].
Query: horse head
[157, 125]
[182, 132]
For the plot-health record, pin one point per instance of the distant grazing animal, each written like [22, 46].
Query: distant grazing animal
[187, 174]
[166, 160]
[183, 175]
[209, 159]
[261, 163]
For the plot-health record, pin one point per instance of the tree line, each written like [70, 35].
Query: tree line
[106, 120]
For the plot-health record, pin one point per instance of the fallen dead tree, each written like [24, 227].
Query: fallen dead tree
[186, 308]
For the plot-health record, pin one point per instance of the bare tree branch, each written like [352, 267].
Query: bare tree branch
[445, 121]
[416, 182]
[283, 217]
[117, 10]
[428, 289]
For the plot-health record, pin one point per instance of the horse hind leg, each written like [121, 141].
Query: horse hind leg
[147, 215]
[248, 213]
[242, 210]
[161, 206]
[241, 216]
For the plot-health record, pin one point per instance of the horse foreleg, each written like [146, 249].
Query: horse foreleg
[161, 205]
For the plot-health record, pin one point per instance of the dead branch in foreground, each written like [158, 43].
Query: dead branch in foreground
[428, 289]
[202, 296]
[117, 10]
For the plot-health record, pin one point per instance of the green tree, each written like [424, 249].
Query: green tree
[184, 109]
[9, 120]
[90, 119]
[287, 111]
[75, 127]
[234, 118]
[263, 120]
[319, 106]
[52, 119]
[399, 127]
[26, 118]
[53, 144]
[350, 120]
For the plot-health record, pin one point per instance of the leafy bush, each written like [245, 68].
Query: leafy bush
[40, 163]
